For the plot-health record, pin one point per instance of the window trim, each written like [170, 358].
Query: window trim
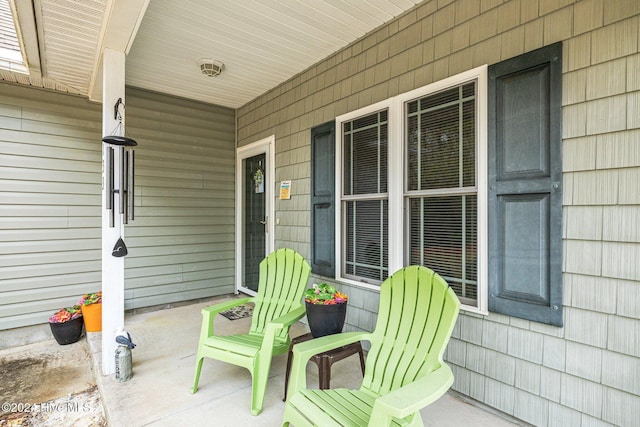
[398, 232]
[480, 75]
[340, 197]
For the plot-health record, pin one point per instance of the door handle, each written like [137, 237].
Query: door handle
[265, 222]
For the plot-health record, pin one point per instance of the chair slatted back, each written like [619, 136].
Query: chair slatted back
[283, 278]
[415, 319]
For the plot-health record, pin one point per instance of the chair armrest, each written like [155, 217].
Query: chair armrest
[303, 351]
[288, 319]
[412, 397]
[271, 330]
[208, 314]
[273, 327]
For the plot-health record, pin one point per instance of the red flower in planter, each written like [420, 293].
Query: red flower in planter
[324, 294]
[65, 314]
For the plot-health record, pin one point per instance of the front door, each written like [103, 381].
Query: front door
[254, 205]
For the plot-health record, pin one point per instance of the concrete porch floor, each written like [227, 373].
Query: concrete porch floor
[163, 368]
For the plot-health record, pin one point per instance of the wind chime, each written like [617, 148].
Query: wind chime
[126, 177]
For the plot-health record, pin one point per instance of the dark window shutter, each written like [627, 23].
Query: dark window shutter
[525, 186]
[323, 199]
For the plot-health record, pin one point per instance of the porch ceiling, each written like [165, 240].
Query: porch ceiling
[261, 42]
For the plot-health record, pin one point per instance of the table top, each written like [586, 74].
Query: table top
[354, 347]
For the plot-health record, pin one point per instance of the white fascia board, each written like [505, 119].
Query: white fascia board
[26, 30]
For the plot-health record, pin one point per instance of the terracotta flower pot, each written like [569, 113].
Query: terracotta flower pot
[326, 319]
[92, 314]
[67, 332]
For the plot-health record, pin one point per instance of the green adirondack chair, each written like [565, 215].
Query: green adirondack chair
[278, 305]
[404, 368]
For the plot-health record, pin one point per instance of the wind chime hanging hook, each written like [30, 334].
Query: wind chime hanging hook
[116, 110]
[119, 140]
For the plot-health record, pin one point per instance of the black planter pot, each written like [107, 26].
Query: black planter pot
[326, 319]
[67, 332]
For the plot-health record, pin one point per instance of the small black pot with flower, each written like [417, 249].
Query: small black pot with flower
[66, 325]
[326, 310]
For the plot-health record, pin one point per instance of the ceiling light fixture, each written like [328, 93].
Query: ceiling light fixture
[210, 67]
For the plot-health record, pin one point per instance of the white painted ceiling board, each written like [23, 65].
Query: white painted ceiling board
[71, 31]
[261, 42]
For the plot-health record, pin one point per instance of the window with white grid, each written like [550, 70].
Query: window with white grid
[413, 187]
[441, 190]
[364, 197]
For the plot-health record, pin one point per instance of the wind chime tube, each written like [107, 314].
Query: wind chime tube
[108, 161]
[125, 186]
[122, 187]
[131, 183]
[109, 184]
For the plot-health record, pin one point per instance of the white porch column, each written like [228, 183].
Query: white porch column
[112, 267]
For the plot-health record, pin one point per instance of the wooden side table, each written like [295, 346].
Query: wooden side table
[323, 360]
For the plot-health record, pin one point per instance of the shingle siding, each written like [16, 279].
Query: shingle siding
[531, 408]
[546, 375]
[620, 149]
[543, 375]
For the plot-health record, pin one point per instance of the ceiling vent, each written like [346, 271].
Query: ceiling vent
[210, 67]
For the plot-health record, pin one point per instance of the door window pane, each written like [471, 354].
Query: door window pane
[254, 219]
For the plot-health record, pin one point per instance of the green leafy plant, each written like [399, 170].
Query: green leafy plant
[92, 298]
[324, 294]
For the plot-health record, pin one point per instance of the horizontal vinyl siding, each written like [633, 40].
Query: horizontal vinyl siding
[49, 203]
[181, 243]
